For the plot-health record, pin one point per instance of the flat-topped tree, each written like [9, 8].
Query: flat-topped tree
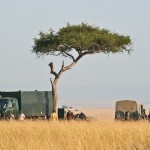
[83, 39]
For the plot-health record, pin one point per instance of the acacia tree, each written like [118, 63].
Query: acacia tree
[75, 42]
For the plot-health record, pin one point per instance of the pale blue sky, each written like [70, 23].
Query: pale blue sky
[98, 80]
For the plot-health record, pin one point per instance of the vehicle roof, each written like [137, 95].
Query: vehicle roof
[126, 105]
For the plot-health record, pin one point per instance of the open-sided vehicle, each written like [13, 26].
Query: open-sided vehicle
[129, 110]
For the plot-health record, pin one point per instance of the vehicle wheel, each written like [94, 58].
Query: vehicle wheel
[119, 115]
[134, 116]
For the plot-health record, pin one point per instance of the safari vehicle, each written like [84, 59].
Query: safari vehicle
[32, 103]
[129, 110]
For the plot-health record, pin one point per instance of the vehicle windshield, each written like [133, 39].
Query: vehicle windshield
[3, 103]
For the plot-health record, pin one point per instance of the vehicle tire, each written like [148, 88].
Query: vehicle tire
[119, 115]
[134, 116]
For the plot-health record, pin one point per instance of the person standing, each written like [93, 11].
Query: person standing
[11, 116]
[54, 116]
[70, 115]
[22, 116]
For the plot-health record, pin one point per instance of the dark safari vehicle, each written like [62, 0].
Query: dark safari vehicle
[129, 110]
[32, 103]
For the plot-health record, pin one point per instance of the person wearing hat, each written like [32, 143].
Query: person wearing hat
[70, 115]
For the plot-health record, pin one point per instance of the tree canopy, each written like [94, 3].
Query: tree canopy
[83, 38]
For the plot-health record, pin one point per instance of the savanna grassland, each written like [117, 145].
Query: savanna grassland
[97, 134]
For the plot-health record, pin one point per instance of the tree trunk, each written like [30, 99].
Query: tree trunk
[55, 96]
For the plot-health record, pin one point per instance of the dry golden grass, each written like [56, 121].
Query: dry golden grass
[74, 135]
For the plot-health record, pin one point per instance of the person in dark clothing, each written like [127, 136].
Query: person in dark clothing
[148, 117]
[126, 115]
[82, 116]
[69, 115]
[144, 116]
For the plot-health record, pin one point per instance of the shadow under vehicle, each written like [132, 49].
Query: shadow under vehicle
[129, 110]
[34, 104]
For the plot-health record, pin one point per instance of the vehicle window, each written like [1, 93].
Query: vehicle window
[9, 104]
[13, 103]
[3, 103]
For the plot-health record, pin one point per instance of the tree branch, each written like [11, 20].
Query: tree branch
[51, 80]
[73, 63]
[52, 69]
[86, 53]
[63, 68]
[69, 55]
[60, 72]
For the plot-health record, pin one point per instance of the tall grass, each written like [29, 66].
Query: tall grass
[74, 135]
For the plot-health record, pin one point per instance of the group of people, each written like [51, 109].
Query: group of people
[80, 116]
[12, 117]
[53, 116]
[68, 116]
